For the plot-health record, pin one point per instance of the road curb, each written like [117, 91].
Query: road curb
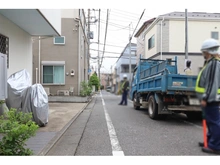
[58, 135]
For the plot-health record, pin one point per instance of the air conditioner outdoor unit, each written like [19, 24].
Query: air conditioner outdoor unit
[63, 93]
[47, 90]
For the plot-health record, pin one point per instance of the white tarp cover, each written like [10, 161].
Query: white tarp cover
[35, 100]
[16, 83]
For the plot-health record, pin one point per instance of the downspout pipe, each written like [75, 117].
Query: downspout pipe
[79, 61]
[161, 37]
[39, 66]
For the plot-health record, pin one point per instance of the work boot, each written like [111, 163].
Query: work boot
[211, 151]
[201, 144]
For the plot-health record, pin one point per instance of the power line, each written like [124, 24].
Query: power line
[124, 15]
[105, 52]
[126, 12]
[106, 29]
[137, 24]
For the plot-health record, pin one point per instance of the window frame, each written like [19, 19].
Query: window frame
[6, 49]
[52, 63]
[59, 43]
[212, 32]
[152, 43]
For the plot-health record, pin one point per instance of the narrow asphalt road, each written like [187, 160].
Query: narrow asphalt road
[105, 128]
[120, 130]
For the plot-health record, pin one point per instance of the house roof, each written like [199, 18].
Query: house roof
[145, 24]
[192, 15]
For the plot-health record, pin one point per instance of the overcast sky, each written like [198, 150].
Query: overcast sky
[121, 14]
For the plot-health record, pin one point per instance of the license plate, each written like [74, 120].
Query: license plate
[194, 102]
[141, 101]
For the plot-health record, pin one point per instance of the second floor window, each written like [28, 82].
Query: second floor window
[151, 42]
[214, 35]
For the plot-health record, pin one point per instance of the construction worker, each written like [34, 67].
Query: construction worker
[208, 92]
[124, 90]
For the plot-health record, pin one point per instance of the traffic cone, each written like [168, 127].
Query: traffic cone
[204, 133]
[204, 128]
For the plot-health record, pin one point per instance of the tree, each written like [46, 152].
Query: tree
[94, 80]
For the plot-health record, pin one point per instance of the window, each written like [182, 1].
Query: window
[151, 42]
[59, 40]
[214, 35]
[4, 47]
[133, 52]
[53, 73]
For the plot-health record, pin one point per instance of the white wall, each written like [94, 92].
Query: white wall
[70, 13]
[54, 17]
[20, 46]
[152, 51]
[198, 31]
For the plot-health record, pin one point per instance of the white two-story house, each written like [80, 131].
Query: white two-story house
[165, 37]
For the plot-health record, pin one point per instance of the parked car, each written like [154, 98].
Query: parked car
[108, 88]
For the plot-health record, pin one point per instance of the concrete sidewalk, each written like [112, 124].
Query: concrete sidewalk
[60, 116]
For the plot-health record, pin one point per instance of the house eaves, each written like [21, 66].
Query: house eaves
[33, 21]
[145, 24]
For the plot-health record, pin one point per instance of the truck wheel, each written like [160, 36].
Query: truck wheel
[135, 102]
[152, 108]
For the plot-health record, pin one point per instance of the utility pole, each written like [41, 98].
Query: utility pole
[98, 48]
[129, 55]
[186, 37]
[88, 40]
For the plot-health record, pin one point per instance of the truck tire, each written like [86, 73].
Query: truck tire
[135, 102]
[152, 108]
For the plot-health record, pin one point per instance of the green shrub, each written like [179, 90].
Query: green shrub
[94, 80]
[16, 128]
[86, 90]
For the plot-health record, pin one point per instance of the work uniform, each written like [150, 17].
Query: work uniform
[207, 88]
[124, 88]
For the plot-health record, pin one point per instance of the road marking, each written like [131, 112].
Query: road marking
[116, 148]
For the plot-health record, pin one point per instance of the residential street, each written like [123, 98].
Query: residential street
[111, 129]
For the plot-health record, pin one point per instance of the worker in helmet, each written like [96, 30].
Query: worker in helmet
[124, 90]
[208, 92]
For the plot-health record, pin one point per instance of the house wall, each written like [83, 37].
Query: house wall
[150, 52]
[20, 46]
[67, 53]
[198, 31]
[173, 40]
[73, 53]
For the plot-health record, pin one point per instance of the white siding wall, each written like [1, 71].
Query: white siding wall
[20, 46]
[152, 51]
[197, 32]
[70, 13]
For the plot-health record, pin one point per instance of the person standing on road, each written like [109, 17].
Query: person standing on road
[208, 92]
[124, 90]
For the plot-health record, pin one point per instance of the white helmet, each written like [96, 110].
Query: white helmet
[211, 46]
[124, 76]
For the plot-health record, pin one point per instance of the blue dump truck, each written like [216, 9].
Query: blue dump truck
[157, 86]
